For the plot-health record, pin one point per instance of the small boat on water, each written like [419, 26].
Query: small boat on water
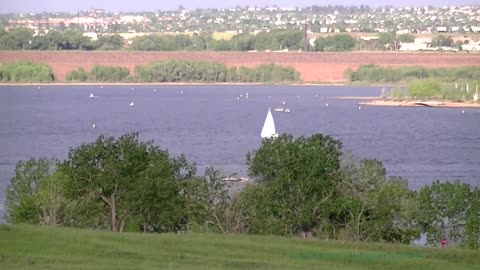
[278, 109]
[91, 95]
[235, 179]
[131, 104]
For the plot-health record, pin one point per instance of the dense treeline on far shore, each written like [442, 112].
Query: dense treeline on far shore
[187, 71]
[377, 74]
[302, 186]
[273, 40]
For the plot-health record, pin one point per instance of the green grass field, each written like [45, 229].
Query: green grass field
[36, 247]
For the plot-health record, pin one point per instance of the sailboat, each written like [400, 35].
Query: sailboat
[268, 130]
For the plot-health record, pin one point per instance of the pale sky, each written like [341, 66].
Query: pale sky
[22, 6]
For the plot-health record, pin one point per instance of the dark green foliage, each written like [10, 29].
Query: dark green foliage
[425, 90]
[376, 207]
[16, 39]
[337, 43]
[109, 74]
[22, 196]
[193, 71]
[99, 74]
[121, 179]
[449, 210]
[25, 72]
[154, 43]
[208, 203]
[376, 74]
[406, 38]
[298, 181]
[110, 42]
[441, 41]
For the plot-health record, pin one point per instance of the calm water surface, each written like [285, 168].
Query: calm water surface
[212, 128]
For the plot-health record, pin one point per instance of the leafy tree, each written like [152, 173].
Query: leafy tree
[445, 210]
[52, 203]
[159, 205]
[389, 40]
[110, 42]
[16, 39]
[339, 42]
[472, 226]
[379, 208]
[208, 202]
[442, 41]
[298, 181]
[115, 179]
[406, 38]
[22, 194]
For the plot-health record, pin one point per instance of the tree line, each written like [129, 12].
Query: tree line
[304, 185]
[186, 71]
[277, 39]
[376, 74]
[24, 39]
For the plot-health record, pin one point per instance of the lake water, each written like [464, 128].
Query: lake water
[214, 126]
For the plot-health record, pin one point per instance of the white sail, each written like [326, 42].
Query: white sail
[268, 129]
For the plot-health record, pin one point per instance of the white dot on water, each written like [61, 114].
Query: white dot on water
[326, 105]
[463, 111]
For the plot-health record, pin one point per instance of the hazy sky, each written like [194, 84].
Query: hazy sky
[19, 6]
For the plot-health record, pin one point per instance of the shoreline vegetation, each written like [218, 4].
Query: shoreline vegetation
[169, 71]
[304, 187]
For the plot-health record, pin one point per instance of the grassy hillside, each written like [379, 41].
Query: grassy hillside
[35, 247]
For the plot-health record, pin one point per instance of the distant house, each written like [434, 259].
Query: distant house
[471, 47]
[442, 29]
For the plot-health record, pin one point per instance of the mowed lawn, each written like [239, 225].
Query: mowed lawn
[38, 247]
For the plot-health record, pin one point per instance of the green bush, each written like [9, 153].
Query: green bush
[26, 72]
[193, 71]
[376, 74]
[100, 74]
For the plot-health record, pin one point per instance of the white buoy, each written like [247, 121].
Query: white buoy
[463, 111]
[359, 107]
[154, 90]
[241, 95]
[93, 126]
[238, 98]
[101, 86]
[38, 87]
[326, 105]
[181, 92]
[132, 88]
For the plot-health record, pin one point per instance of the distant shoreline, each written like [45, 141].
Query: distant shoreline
[417, 103]
[168, 84]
